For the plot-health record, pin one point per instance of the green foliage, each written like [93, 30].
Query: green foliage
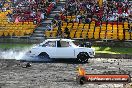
[113, 50]
[11, 46]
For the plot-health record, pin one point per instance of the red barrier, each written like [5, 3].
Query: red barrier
[83, 77]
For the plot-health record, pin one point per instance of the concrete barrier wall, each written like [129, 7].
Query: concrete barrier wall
[94, 43]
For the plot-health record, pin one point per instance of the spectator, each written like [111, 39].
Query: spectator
[62, 16]
[120, 19]
[130, 19]
[59, 32]
[49, 28]
[42, 16]
[59, 24]
[57, 17]
[87, 20]
[9, 17]
[78, 18]
[67, 33]
[63, 10]
[1, 6]
[17, 20]
[35, 21]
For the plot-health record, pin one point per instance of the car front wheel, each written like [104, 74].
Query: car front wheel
[82, 57]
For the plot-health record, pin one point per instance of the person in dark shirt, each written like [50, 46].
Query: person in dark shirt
[59, 24]
[87, 20]
[67, 32]
[59, 32]
[9, 16]
[0, 6]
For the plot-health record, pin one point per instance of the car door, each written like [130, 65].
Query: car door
[50, 48]
[64, 50]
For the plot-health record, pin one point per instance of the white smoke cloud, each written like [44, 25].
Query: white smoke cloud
[17, 53]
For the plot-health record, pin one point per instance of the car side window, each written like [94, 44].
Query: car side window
[64, 44]
[49, 44]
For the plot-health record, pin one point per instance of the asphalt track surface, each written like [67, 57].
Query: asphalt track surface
[59, 73]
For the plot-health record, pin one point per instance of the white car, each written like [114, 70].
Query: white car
[62, 48]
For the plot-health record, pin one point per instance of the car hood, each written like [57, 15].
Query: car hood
[35, 46]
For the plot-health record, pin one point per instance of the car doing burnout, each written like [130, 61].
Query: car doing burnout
[62, 48]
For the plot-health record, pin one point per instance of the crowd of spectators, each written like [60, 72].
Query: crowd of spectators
[4, 5]
[86, 11]
[89, 10]
[30, 10]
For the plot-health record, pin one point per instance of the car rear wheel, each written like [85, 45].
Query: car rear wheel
[44, 55]
[82, 57]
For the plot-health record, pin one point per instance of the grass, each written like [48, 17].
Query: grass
[113, 50]
[109, 50]
[11, 46]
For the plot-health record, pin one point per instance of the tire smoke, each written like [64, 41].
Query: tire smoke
[17, 53]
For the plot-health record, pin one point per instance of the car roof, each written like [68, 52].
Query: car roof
[59, 39]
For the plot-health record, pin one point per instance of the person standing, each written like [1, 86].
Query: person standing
[67, 33]
[59, 24]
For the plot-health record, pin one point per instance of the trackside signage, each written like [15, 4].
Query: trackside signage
[83, 77]
[107, 78]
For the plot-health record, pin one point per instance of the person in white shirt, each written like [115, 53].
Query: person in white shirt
[49, 28]
[115, 18]
[62, 9]
[42, 16]
[78, 18]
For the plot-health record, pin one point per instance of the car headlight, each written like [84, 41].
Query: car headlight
[90, 53]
